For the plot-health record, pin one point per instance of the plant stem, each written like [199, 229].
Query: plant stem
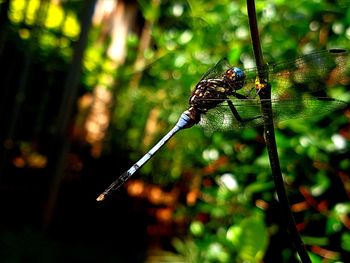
[269, 134]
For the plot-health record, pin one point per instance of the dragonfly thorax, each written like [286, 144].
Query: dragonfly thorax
[209, 93]
[213, 91]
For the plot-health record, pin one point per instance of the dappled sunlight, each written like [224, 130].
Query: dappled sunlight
[29, 158]
[192, 196]
[97, 121]
[165, 215]
[24, 11]
[152, 128]
[152, 193]
[86, 90]
[136, 188]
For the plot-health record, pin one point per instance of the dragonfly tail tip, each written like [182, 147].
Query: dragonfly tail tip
[101, 197]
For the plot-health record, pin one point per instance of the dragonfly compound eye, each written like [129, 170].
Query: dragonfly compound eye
[234, 77]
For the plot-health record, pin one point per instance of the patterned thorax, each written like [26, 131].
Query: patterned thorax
[208, 93]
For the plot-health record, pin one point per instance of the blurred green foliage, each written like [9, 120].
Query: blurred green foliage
[235, 216]
[226, 225]
[58, 27]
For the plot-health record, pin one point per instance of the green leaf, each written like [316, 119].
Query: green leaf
[234, 234]
[315, 259]
[197, 228]
[254, 238]
[345, 241]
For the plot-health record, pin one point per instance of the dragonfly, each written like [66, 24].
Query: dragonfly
[227, 97]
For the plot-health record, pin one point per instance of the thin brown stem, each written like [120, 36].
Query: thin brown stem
[269, 134]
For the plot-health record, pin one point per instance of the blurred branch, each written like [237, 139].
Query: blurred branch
[4, 7]
[61, 144]
[145, 41]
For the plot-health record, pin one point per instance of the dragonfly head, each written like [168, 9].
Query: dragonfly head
[235, 78]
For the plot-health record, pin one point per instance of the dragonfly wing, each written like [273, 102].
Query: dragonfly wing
[293, 78]
[308, 73]
[217, 70]
[305, 108]
[222, 118]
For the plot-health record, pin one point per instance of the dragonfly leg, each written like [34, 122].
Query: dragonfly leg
[239, 96]
[236, 114]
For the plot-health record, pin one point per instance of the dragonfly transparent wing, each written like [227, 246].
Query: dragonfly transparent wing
[306, 74]
[218, 70]
[292, 78]
[221, 118]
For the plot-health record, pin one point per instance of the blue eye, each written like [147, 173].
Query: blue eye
[239, 73]
[234, 77]
[234, 74]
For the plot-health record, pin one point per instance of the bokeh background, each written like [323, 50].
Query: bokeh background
[87, 87]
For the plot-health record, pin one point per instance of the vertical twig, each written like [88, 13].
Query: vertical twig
[61, 143]
[269, 133]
